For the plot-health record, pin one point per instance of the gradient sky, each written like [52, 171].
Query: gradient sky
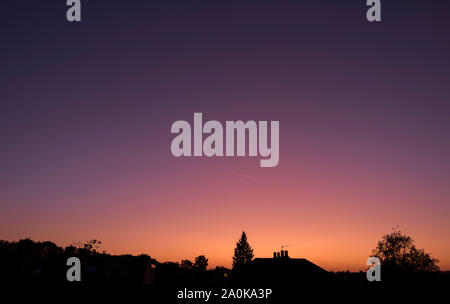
[86, 110]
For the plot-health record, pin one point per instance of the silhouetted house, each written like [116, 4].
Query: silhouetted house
[281, 269]
[121, 269]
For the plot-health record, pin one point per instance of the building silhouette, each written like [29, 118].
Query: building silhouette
[281, 269]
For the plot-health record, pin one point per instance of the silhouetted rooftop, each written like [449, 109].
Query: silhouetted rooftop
[294, 265]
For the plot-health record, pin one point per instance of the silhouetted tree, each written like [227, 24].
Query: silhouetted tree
[243, 253]
[187, 264]
[397, 252]
[201, 262]
[92, 245]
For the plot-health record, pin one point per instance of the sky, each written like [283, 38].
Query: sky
[86, 110]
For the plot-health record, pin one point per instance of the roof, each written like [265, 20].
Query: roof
[281, 271]
[292, 265]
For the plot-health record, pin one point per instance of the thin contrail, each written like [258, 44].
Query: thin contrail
[244, 175]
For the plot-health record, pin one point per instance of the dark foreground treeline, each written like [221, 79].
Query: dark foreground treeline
[26, 262]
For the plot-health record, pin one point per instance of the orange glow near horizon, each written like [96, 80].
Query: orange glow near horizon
[336, 236]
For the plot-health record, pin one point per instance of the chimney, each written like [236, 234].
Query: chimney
[278, 254]
[282, 253]
[274, 255]
[286, 254]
